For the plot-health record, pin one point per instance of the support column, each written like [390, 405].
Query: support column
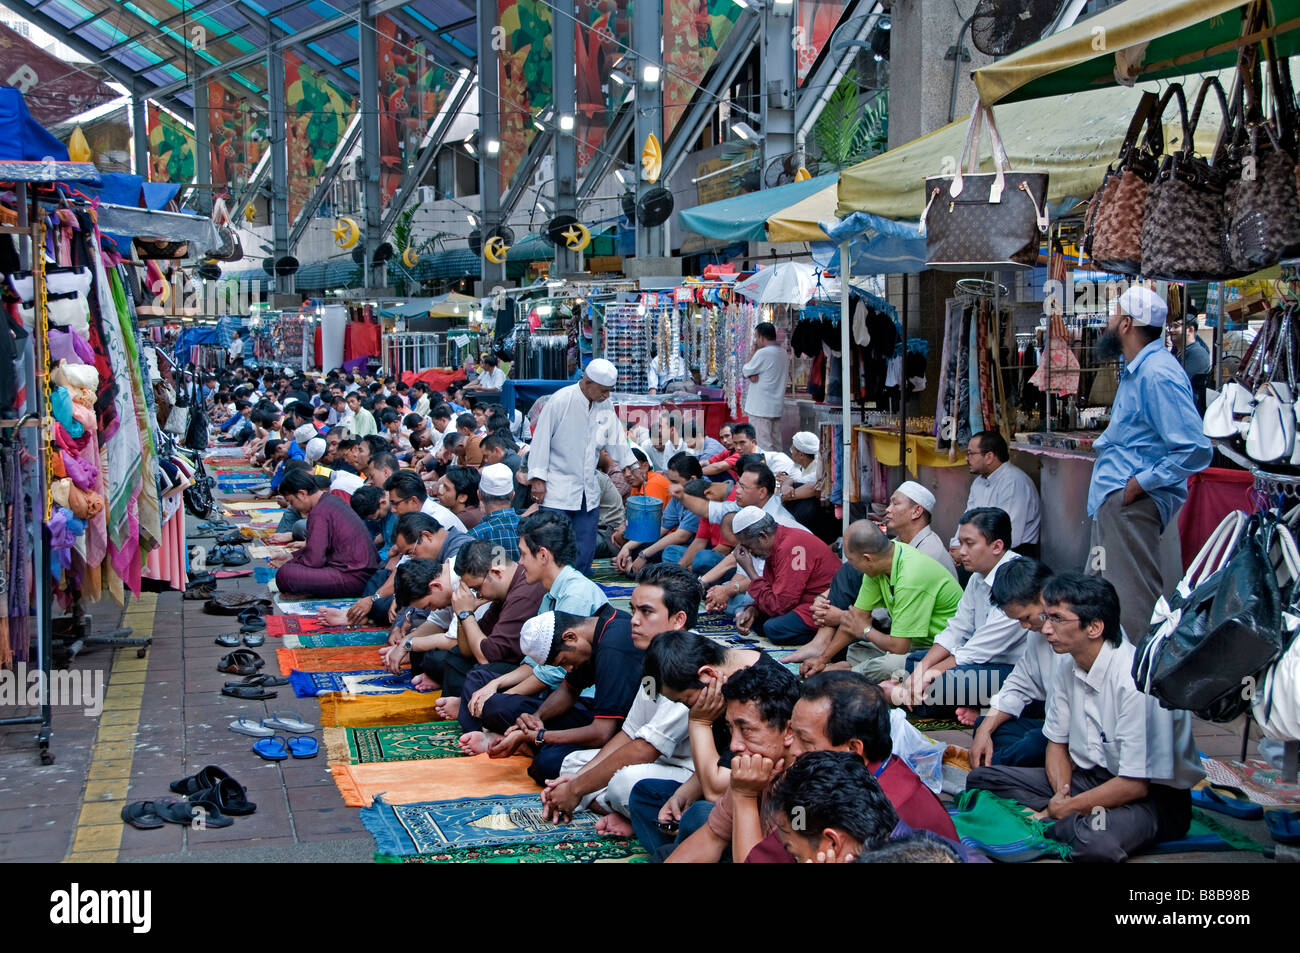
[202, 151]
[372, 197]
[564, 97]
[647, 39]
[489, 125]
[140, 135]
[277, 129]
[777, 81]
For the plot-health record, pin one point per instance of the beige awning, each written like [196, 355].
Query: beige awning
[799, 222]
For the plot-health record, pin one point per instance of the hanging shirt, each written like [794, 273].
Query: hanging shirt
[569, 435]
[766, 396]
[1010, 489]
[979, 634]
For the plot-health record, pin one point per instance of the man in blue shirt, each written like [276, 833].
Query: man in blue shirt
[1153, 444]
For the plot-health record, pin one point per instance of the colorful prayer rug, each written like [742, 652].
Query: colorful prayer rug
[421, 742]
[310, 607]
[436, 826]
[304, 625]
[439, 779]
[373, 638]
[348, 658]
[603, 572]
[1003, 829]
[376, 681]
[355, 711]
[1262, 782]
[602, 850]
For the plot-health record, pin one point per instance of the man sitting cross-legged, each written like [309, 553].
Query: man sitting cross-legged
[797, 568]
[1119, 767]
[595, 652]
[654, 742]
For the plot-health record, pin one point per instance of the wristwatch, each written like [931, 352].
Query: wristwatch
[541, 734]
[407, 645]
[464, 614]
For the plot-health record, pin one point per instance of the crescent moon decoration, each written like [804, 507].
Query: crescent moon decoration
[346, 233]
[576, 237]
[250, 213]
[495, 249]
[803, 175]
[652, 159]
[409, 258]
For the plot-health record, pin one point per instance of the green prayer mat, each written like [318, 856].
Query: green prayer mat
[596, 851]
[418, 742]
[603, 573]
[334, 640]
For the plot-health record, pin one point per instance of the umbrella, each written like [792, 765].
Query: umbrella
[790, 282]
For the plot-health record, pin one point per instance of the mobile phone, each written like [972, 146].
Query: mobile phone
[668, 827]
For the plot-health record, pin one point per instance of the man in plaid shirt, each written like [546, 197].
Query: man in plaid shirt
[500, 523]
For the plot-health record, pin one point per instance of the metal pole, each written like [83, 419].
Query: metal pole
[372, 198]
[489, 127]
[902, 395]
[846, 362]
[202, 149]
[565, 141]
[647, 36]
[277, 127]
[140, 135]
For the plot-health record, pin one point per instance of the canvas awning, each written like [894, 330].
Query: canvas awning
[1138, 39]
[746, 217]
[1073, 138]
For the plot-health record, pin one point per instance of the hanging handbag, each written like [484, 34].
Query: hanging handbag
[1105, 193]
[1117, 230]
[1271, 436]
[1276, 701]
[1185, 229]
[1220, 417]
[977, 220]
[160, 249]
[196, 436]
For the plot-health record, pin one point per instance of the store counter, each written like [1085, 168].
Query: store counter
[1065, 530]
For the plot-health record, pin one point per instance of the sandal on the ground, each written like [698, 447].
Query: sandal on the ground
[272, 749]
[187, 812]
[1227, 800]
[264, 679]
[251, 619]
[287, 721]
[142, 815]
[247, 726]
[303, 747]
[198, 782]
[229, 797]
[240, 662]
[201, 579]
[235, 556]
[1284, 825]
[229, 639]
[232, 537]
[204, 591]
[255, 693]
[254, 639]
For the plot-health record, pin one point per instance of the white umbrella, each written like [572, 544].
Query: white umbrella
[790, 282]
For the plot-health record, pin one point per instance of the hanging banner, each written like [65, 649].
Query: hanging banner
[237, 136]
[54, 90]
[412, 88]
[525, 77]
[604, 31]
[317, 114]
[817, 21]
[171, 147]
[694, 31]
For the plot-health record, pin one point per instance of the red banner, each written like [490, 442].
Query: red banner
[53, 89]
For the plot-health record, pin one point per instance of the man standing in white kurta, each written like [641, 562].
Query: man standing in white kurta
[576, 423]
[767, 370]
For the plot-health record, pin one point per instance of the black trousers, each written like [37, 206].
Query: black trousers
[448, 668]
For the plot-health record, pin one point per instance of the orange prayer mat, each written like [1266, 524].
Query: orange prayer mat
[410, 782]
[343, 658]
[362, 711]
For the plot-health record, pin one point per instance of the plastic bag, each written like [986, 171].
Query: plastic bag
[919, 752]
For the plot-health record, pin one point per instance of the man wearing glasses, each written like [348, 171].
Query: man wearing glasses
[1002, 484]
[1119, 767]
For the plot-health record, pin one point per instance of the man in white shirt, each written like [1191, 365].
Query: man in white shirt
[654, 742]
[1012, 731]
[978, 648]
[576, 423]
[421, 405]
[767, 371]
[908, 517]
[1004, 485]
[492, 377]
[236, 349]
[1119, 767]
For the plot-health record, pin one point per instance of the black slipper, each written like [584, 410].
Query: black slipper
[233, 537]
[248, 692]
[206, 778]
[252, 618]
[200, 592]
[264, 680]
[142, 815]
[240, 662]
[202, 579]
[228, 796]
[254, 639]
[235, 556]
[193, 814]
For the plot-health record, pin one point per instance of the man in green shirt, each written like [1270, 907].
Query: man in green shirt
[919, 594]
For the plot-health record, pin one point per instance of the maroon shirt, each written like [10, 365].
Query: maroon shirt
[502, 622]
[338, 540]
[799, 568]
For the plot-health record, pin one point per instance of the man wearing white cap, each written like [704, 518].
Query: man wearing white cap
[1153, 444]
[576, 423]
[798, 567]
[500, 522]
[908, 517]
[801, 489]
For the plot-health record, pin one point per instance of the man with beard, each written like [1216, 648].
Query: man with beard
[1153, 444]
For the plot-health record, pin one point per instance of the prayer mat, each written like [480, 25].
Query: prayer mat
[233, 574]
[715, 623]
[423, 742]
[599, 850]
[433, 826]
[1208, 834]
[1262, 782]
[348, 658]
[618, 591]
[310, 607]
[368, 710]
[603, 571]
[373, 638]
[305, 625]
[445, 779]
[373, 681]
[244, 507]
[937, 724]
[1003, 829]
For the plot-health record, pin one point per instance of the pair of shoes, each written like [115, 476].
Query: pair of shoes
[250, 619]
[150, 815]
[227, 555]
[205, 590]
[240, 662]
[277, 748]
[264, 680]
[233, 537]
[213, 783]
[279, 721]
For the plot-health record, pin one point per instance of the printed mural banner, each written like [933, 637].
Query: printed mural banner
[604, 31]
[237, 136]
[54, 90]
[525, 77]
[412, 88]
[318, 113]
[694, 31]
[171, 147]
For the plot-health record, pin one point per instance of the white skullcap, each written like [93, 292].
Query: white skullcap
[602, 372]
[304, 433]
[746, 518]
[496, 480]
[1144, 306]
[917, 494]
[314, 450]
[806, 442]
[537, 637]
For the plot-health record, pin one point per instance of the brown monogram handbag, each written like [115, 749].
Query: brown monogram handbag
[977, 220]
[1117, 227]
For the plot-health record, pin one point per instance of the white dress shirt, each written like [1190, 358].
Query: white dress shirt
[1108, 723]
[1009, 489]
[979, 634]
[766, 396]
[443, 516]
[773, 508]
[779, 462]
[928, 542]
[1030, 680]
[569, 435]
[492, 379]
[664, 724]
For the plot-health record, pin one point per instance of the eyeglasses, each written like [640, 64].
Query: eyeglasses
[1056, 619]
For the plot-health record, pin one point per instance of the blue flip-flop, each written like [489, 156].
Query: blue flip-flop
[1233, 802]
[1284, 825]
[303, 747]
[272, 749]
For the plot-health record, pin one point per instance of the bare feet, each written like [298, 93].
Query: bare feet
[968, 716]
[423, 683]
[838, 667]
[614, 825]
[447, 708]
[476, 742]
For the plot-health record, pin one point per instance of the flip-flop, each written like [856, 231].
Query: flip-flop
[228, 639]
[303, 747]
[247, 726]
[1284, 825]
[254, 693]
[187, 813]
[1226, 800]
[265, 680]
[240, 662]
[206, 778]
[142, 815]
[216, 556]
[288, 721]
[254, 639]
[272, 749]
[252, 619]
[228, 796]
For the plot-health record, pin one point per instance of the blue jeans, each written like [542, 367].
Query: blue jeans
[644, 804]
[1020, 742]
[674, 553]
[584, 531]
[787, 629]
[705, 560]
[962, 686]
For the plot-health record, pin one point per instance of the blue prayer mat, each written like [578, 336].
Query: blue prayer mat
[435, 826]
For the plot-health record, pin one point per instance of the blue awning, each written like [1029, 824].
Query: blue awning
[744, 218]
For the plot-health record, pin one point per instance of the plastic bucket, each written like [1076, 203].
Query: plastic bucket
[643, 513]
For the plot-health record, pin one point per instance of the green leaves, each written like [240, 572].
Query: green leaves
[847, 133]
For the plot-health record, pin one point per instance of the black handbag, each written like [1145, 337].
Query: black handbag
[977, 220]
[196, 435]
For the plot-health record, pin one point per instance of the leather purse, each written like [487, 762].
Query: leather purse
[1117, 230]
[977, 220]
[160, 249]
[1105, 193]
[1271, 436]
